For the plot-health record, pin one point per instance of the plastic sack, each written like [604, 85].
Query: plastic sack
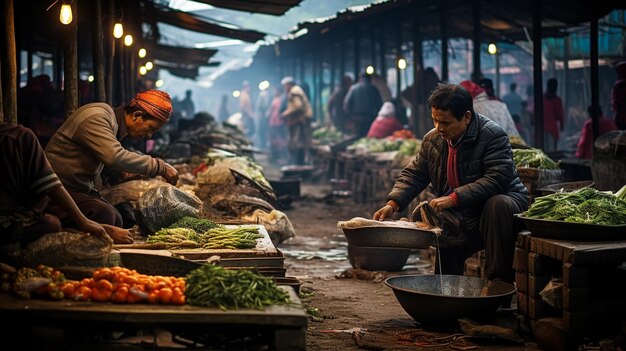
[277, 223]
[67, 249]
[552, 294]
[159, 207]
[130, 191]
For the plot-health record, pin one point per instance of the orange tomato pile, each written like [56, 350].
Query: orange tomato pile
[122, 285]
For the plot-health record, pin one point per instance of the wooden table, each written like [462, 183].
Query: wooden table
[284, 326]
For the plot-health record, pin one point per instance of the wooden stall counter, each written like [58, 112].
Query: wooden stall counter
[284, 326]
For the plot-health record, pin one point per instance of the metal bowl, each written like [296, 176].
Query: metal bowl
[389, 259]
[470, 297]
[389, 237]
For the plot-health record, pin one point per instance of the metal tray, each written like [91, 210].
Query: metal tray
[389, 237]
[544, 228]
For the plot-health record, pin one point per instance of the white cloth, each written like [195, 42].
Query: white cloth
[496, 111]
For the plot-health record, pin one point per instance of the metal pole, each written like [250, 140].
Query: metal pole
[444, 41]
[476, 74]
[537, 74]
[357, 54]
[398, 56]
[98, 50]
[497, 89]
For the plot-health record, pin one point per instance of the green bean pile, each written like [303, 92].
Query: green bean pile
[200, 225]
[586, 205]
[533, 158]
[225, 238]
[215, 286]
[244, 237]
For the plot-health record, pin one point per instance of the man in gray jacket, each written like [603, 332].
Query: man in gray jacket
[468, 159]
[90, 139]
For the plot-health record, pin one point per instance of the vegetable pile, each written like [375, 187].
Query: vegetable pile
[327, 134]
[41, 281]
[533, 158]
[215, 286]
[217, 237]
[586, 205]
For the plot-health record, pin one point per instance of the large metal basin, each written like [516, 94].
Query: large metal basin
[469, 297]
[389, 237]
[390, 259]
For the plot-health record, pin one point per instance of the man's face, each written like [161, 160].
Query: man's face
[140, 127]
[449, 127]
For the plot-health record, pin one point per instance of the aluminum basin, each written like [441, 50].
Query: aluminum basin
[390, 259]
[462, 297]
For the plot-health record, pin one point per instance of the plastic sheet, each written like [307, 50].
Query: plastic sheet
[162, 206]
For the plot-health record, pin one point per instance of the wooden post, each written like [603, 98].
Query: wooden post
[398, 56]
[333, 66]
[383, 51]
[595, 96]
[111, 53]
[9, 64]
[342, 59]
[419, 123]
[357, 53]
[444, 41]
[98, 53]
[1, 103]
[537, 74]
[70, 63]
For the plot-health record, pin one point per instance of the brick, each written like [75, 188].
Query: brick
[575, 276]
[521, 282]
[575, 299]
[522, 303]
[538, 265]
[535, 308]
[520, 260]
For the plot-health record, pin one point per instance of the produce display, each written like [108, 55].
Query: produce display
[327, 134]
[215, 286]
[41, 281]
[200, 225]
[409, 147]
[218, 237]
[533, 158]
[586, 205]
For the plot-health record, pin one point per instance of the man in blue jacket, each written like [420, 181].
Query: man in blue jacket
[468, 159]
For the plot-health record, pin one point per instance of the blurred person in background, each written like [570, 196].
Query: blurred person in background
[222, 112]
[262, 117]
[247, 112]
[584, 148]
[362, 103]
[553, 116]
[487, 85]
[297, 115]
[386, 123]
[338, 116]
[513, 101]
[618, 96]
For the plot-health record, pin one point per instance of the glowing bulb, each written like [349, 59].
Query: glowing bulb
[142, 53]
[149, 65]
[159, 83]
[90, 78]
[143, 70]
[128, 40]
[264, 85]
[369, 70]
[492, 49]
[118, 30]
[402, 63]
[66, 14]
[236, 93]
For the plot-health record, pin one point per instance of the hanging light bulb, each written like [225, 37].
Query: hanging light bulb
[159, 83]
[118, 30]
[149, 65]
[90, 78]
[128, 40]
[142, 53]
[369, 70]
[402, 63]
[66, 14]
[492, 49]
[143, 70]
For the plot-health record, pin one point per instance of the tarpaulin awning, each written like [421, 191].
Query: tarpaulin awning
[180, 54]
[190, 22]
[269, 7]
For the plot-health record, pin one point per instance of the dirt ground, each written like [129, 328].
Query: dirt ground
[351, 313]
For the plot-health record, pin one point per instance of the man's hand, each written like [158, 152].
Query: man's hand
[119, 235]
[94, 228]
[441, 203]
[170, 174]
[386, 212]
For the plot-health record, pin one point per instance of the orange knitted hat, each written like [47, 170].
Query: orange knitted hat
[156, 103]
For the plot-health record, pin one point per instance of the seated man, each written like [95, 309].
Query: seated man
[28, 180]
[90, 139]
[468, 159]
